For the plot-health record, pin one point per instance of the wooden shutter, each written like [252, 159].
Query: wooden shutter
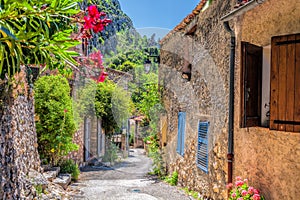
[251, 85]
[202, 151]
[285, 83]
[181, 132]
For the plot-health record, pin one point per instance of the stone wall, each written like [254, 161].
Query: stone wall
[204, 97]
[78, 138]
[269, 159]
[18, 150]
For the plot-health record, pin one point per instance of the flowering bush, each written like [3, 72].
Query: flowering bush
[242, 191]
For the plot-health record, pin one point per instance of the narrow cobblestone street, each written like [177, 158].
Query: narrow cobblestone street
[127, 180]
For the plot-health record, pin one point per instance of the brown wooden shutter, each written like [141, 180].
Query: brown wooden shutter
[251, 85]
[285, 83]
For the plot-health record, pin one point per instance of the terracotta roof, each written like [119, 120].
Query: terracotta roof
[186, 20]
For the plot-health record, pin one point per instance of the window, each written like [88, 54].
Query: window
[202, 150]
[284, 84]
[181, 132]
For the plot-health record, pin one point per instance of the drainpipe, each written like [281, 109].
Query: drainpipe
[230, 154]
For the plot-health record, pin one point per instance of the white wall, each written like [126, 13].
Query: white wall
[265, 84]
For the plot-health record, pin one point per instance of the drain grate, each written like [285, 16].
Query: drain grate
[136, 190]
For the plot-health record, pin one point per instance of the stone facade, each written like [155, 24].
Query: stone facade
[18, 150]
[204, 98]
[78, 139]
[269, 159]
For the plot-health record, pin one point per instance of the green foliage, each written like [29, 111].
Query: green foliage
[156, 155]
[84, 103]
[103, 105]
[173, 179]
[55, 125]
[192, 193]
[36, 32]
[112, 105]
[70, 167]
[121, 105]
[39, 189]
[110, 153]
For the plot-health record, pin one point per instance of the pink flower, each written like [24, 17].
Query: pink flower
[256, 197]
[229, 186]
[239, 183]
[256, 191]
[251, 190]
[246, 180]
[240, 198]
[244, 193]
[233, 195]
[238, 178]
[65, 110]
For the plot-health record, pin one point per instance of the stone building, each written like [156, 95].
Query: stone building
[225, 116]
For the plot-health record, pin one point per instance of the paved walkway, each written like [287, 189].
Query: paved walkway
[127, 180]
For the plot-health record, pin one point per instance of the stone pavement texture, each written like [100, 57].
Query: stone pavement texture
[127, 180]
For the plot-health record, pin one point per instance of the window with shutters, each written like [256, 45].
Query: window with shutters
[202, 150]
[181, 133]
[284, 73]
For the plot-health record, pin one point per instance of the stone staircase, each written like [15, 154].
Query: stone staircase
[51, 184]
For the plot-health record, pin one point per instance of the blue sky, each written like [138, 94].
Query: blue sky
[160, 15]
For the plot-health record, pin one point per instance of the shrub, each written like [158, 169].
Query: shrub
[110, 153]
[242, 191]
[55, 124]
[156, 155]
[172, 180]
[70, 167]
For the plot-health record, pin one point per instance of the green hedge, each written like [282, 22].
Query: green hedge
[55, 124]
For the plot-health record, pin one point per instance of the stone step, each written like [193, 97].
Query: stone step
[63, 180]
[51, 173]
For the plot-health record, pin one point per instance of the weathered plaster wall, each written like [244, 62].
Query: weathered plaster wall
[18, 142]
[270, 159]
[272, 18]
[205, 97]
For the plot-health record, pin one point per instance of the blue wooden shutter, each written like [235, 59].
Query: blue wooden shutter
[181, 133]
[202, 152]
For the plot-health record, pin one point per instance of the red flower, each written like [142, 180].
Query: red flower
[93, 11]
[98, 28]
[102, 77]
[65, 110]
[88, 22]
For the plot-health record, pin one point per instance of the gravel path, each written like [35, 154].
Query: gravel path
[127, 180]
